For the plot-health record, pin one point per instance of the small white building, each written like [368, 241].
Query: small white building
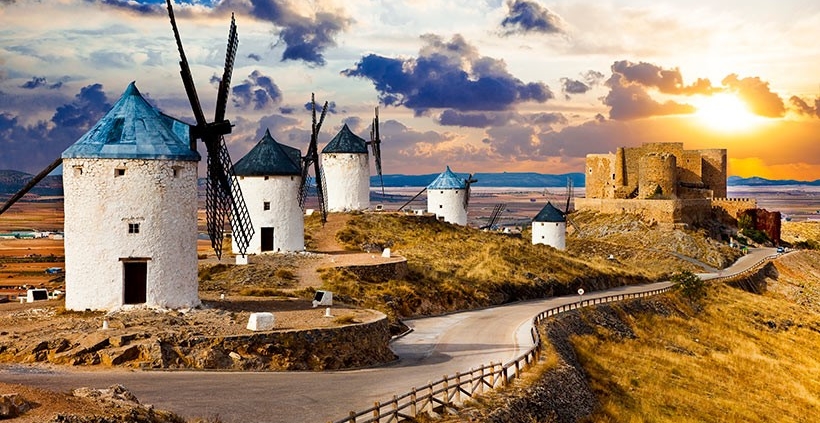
[270, 176]
[131, 211]
[346, 172]
[549, 227]
[446, 197]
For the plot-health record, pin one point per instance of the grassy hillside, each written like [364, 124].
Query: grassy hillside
[736, 357]
[454, 267]
[803, 234]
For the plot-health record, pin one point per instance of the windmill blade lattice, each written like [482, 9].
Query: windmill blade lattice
[469, 181]
[223, 196]
[375, 145]
[312, 158]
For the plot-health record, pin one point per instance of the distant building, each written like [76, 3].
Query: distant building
[270, 176]
[446, 197]
[346, 172]
[131, 211]
[549, 227]
[662, 183]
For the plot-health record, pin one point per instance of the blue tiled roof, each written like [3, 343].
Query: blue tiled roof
[549, 214]
[133, 129]
[448, 180]
[268, 157]
[346, 142]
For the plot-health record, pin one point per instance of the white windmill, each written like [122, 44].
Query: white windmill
[549, 227]
[448, 197]
[270, 176]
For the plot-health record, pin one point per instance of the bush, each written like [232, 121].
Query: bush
[759, 237]
[809, 244]
[689, 285]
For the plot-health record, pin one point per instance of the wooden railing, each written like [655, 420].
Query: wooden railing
[751, 269]
[444, 394]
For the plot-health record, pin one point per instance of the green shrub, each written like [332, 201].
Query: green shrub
[689, 285]
[757, 236]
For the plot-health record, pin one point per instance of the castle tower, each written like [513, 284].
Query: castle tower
[549, 227]
[446, 197]
[346, 172]
[269, 177]
[658, 175]
[131, 211]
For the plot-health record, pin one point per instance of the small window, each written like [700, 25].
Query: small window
[176, 172]
[441, 206]
[590, 171]
[133, 228]
[542, 236]
[78, 170]
[442, 192]
[241, 178]
[266, 177]
[266, 205]
[119, 172]
[613, 176]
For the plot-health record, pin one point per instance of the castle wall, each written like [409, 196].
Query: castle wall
[734, 207]
[714, 171]
[100, 205]
[347, 177]
[448, 204]
[600, 175]
[689, 167]
[657, 175]
[281, 193]
[660, 211]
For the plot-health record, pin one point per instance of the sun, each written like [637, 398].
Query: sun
[725, 113]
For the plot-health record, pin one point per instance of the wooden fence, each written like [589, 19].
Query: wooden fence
[444, 394]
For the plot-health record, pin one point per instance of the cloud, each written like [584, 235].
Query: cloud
[307, 39]
[255, 57]
[38, 82]
[487, 119]
[331, 107]
[804, 108]
[528, 16]
[631, 101]
[668, 81]
[756, 93]
[519, 139]
[573, 86]
[32, 147]
[257, 90]
[134, 6]
[593, 77]
[447, 74]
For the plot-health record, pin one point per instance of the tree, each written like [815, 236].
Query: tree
[690, 285]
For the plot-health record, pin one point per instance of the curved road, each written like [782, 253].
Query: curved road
[437, 346]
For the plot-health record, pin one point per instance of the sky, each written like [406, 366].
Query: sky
[479, 85]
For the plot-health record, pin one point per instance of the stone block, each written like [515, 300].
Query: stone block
[260, 321]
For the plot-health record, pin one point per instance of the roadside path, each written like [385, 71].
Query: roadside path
[437, 346]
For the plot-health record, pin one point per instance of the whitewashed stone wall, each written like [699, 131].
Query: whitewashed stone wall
[98, 208]
[550, 233]
[448, 204]
[347, 176]
[285, 216]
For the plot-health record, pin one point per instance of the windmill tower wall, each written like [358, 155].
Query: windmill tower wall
[272, 203]
[448, 204]
[347, 178]
[127, 213]
[550, 233]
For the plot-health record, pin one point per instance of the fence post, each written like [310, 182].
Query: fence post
[458, 388]
[395, 407]
[352, 417]
[413, 402]
[481, 380]
[446, 390]
[377, 412]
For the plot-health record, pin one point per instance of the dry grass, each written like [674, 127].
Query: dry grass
[455, 267]
[800, 232]
[743, 357]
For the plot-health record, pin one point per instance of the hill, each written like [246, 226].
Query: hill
[504, 179]
[758, 181]
[12, 181]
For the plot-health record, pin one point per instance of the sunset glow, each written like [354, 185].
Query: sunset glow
[726, 113]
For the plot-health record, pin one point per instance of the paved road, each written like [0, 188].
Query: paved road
[437, 346]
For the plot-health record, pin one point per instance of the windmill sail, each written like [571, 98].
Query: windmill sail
[26, 188]
[375, 145]
[224, 198]
[312, 158]
[467, 182]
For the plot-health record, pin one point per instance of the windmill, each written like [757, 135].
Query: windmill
[223, 196]
[566, 208]
[312, 157]
[375, 145]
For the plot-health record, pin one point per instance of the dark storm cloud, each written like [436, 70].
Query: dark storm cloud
[488, 119]
[307, 39]
[573, 86]
[803, 107]
[528, 16]
[756, 93]
[39, 82]
[133, 6]
[669, 81]
[254, 57]
[631, 101]
[447, 74]
[331, 108]
[257, 90]
[30, 147]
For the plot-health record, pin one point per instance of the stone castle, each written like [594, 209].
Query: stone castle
[662, 183]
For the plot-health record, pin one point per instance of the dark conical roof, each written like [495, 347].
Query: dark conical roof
[346, 142]
[133, 129]
[550, 214]
[268, 157]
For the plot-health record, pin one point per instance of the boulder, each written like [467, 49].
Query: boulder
[12, 405]
[260, 321]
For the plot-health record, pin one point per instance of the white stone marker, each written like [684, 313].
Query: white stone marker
[260, 321]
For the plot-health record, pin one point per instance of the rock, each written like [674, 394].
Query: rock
[12, 405]
[260, 321]
[115, 393]
[120, 340]
[117, 356]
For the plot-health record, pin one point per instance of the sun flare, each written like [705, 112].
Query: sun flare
[726, 113]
